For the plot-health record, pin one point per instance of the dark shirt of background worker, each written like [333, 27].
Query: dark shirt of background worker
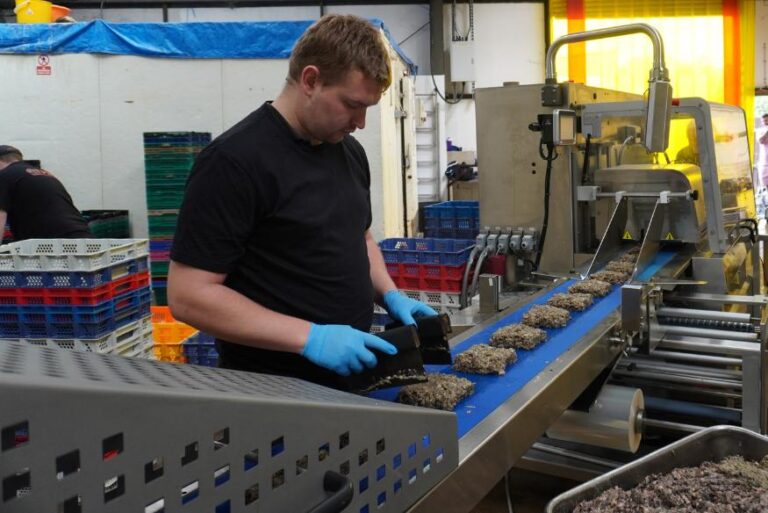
[690, 153]
[35, 203]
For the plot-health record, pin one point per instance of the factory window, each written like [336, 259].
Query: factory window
[412, 476]
[344, 468]
[220, 439]
[67, 464]
[114, 487]
[381, 472]
[426, 466]
[16, 485]
[71, 505]
[190, 453]
[362, 485]
[380, 446]
[381, 499]
[439, 456]
[323, 451]
[221, 475]
[252, 494]
[397, 461]
[411, 451]
[302, 464]
[15, 436]
[112, 446]
[224, 507]
[714, 68]
[343, 440]
[365, 509]
[190, 492]
[425, 440]
[397, 486]
[362, 458]
[278, 446]
[153, 469]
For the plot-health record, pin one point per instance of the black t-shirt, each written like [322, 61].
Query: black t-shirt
[38, 205]
[286, 221]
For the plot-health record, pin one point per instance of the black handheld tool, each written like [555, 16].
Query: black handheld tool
[404, 368]
[433, 334]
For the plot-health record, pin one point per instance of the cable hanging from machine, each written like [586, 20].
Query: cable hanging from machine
[549, 158]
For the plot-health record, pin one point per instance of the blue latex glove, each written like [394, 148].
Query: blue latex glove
[343, 349]
[402, 308]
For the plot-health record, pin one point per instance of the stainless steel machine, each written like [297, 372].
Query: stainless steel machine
[570, 177]
[586, 173]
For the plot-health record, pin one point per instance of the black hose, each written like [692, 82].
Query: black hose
[547, 183]
[585, 168]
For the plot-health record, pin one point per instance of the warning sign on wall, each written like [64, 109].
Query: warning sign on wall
[43, 65]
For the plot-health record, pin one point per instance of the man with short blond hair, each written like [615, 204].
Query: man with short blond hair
[273, 253]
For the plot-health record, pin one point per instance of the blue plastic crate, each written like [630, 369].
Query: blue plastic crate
[426, 251]
[455, 208]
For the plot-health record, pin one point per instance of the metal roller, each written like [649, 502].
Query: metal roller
[743, 327]
[668, 311]
[709, 333]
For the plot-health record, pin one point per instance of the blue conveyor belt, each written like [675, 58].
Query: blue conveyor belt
[492, 391]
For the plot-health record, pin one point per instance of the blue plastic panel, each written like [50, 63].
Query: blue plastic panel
[207, 40]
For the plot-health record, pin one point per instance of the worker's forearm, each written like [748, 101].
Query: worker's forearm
[227, 314]
[380, 278]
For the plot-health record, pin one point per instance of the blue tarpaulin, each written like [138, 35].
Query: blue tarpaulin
[204, 40]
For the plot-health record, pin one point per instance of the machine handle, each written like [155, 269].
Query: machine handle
[340, 489]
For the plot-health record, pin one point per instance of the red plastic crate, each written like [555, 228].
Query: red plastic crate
[75, 297]
[440, 284]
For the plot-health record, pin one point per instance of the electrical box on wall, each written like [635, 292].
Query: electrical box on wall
[462, 57]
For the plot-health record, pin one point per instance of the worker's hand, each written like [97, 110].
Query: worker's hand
[343, 349]
[403, 309]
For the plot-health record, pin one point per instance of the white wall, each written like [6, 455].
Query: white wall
[85, 122]
[509, 47]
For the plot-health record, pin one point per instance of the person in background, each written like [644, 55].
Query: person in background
[34, 202]
[273, 252]
[762, 156]
[689, 154]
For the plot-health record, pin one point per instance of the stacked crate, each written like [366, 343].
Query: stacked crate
[452, 220]
[81, 294]
[168, 159]
[179, 342]
[108, 224]
[168, 335]
[429, 270]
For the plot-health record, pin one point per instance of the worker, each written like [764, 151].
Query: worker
[762, 157]
[34, 202]
[273, 252]
[689, 154]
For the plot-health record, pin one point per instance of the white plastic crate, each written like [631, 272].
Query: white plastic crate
[121, 337]
[138, 346]
[70, 254]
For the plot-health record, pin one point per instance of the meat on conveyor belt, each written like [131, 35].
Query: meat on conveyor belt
[574, 302]
[589, 286]
[484, 359]
[612, 277]
[546, 316]
[518, 336]
[441, 392]
[619, 266]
